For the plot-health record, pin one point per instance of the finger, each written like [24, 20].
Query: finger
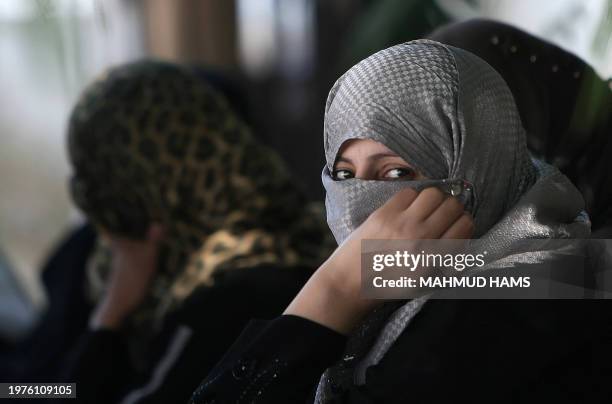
[463, 228]
[444, 216]
[426, 203]
[401, 200]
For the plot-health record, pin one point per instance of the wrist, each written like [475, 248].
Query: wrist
[105, 316]
[345, 294]
[329, 301]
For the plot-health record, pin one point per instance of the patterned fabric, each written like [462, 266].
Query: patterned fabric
[412, 98]
[350, 202]
[452, 117]
[151, 141]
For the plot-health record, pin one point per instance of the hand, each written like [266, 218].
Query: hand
[133, 266]
[409, 215]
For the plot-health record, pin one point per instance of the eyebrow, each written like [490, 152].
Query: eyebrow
[371, 157]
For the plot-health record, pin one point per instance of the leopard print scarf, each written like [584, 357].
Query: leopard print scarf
[151, 141]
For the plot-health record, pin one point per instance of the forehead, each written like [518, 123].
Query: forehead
[353, 147]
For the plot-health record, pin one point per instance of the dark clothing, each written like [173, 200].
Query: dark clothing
[192, 339]
[565, 107]
[454, 351]
[272, 361]
[470, 351]
[35, 359]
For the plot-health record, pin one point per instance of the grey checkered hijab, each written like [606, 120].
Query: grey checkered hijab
[443, 110]
[450, 115]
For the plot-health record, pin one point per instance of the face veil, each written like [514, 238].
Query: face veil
[451, 116]
[443, 110]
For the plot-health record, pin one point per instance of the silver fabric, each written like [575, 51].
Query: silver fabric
[443, 110]
[350, 202]
[450, 115]
[551, 208]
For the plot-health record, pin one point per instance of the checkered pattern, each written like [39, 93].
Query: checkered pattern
[452, 116]
[350, 202]
[443, 110]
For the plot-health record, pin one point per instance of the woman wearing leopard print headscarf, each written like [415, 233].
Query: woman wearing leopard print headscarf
[202, 229]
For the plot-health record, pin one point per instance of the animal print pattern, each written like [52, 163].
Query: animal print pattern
[152, 142]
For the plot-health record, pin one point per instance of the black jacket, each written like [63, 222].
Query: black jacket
[453, 352]
[191, 341]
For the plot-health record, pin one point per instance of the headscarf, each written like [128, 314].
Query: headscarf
[447, 113]
[152, 142]
[450, 115]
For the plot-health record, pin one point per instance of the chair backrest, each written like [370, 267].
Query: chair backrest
[566, 108]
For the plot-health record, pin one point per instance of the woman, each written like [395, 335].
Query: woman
[405, 118]
[201, 228]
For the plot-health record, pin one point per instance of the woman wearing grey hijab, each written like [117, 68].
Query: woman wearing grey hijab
[407, 130]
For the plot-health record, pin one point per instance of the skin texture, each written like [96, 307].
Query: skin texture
[430, 214]
[133, 266]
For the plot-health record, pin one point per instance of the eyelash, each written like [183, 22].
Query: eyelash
[408, 173]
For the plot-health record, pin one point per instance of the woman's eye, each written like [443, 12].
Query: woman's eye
[340, 175]
[399, 173]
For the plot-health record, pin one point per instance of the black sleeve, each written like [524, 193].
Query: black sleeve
[190, 343]
[215, 317]
[34, 359]
[454, 351]
[495, 351]
[278, 361]
[99, 366]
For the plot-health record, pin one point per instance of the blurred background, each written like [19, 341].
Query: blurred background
[283, 54]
